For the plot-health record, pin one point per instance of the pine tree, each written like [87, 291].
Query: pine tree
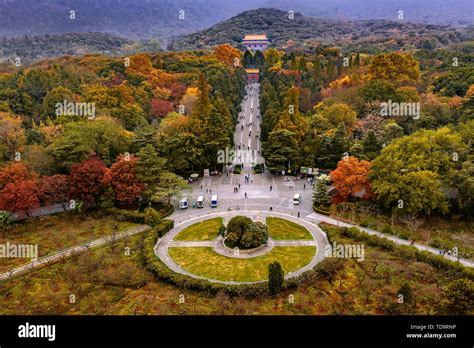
[321, 196]
[149, 170]
[371, 145]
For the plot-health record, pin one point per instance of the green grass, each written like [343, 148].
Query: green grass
[205, 262]
[204, 230]
[281, 229]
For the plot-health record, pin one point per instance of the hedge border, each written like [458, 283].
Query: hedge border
[407, 252]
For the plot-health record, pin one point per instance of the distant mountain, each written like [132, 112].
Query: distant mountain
[301, 30]
[30, 48]
[159, 19]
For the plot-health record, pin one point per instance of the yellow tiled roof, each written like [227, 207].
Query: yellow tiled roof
[256, 37]
[252, 71]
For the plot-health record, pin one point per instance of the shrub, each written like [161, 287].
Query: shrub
[163, 227]
[4, 219]
[129, 215]
[387, 229]
[152, 217]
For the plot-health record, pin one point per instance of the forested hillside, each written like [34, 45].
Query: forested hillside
[365, 35]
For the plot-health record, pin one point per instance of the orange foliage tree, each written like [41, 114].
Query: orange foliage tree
[228, 55]
[350, 179]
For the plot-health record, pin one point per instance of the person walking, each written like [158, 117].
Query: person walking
[299, 214]
[271, 187]
[245, 195]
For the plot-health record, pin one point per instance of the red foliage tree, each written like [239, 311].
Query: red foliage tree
[350, 179]
[160, 108]
[89, 180]
[18, 188]
[124, 181]
[177, 90]
[53, 189]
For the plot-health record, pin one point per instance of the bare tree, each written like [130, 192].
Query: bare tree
[412, 221]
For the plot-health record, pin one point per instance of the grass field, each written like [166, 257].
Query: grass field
[204, 230]
[281, 229]
[56, 232]
[205, 262]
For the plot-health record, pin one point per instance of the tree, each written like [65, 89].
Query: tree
[12, 135]
[243, 233]
[371, 145]
[130, 115]
[256, 235]
[227, 54]
[160, 108]
[18, 189]
[53, 189]
[89, 181]
[275, 277]
[202, 106]
[459, 298]
[280, 149]
[149, 169]
[413, 172]
[394, 66]
[103, 137]
[321, 196]
[159, 183]
[334, 147]
[126, 186]
[407, 293]
[351, 178]
[339, 112]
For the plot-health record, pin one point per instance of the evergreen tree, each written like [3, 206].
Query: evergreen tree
[149, 170]
[321, 196]
[248, 59]
[371, 145]
[280, 149]
[275, 277]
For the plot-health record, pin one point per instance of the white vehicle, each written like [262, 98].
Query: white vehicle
[214, 201]
[200, 202]
[183, 203]
[296, 199]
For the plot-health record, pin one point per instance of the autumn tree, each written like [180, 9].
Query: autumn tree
[394, 66]
[228, 55]
[12, 135]
[53, 189]
[339, 112]
[18, 189]
[89, 181]
[126, 186]
[350, 178]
